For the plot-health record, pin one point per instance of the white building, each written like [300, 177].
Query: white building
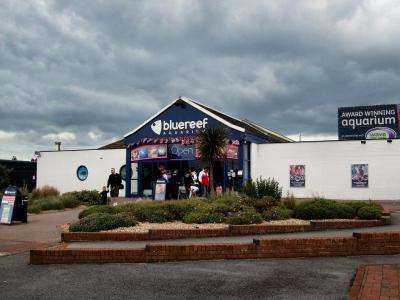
[358, 170]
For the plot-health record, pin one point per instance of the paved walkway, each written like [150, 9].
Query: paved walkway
[376, 282]
[42, 230]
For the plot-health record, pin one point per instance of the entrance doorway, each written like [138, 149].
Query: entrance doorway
[149, 172]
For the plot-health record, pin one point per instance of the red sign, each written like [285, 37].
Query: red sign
[232, 152]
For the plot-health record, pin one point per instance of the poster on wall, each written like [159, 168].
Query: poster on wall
[359, 175]
[297, 175]
[149, 152]
[368, 122]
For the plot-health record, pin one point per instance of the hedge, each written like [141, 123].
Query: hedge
[328, 209]
[370, 212]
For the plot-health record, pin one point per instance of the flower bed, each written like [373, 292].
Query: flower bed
[229, 209]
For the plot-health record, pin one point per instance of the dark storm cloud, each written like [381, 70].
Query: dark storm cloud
[86, 72]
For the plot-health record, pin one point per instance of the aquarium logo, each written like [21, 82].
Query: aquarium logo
[183, 127]
[156, 127]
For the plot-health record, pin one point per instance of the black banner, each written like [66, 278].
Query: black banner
[368, 122]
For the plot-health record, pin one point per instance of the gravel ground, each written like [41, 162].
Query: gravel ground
[145, 226]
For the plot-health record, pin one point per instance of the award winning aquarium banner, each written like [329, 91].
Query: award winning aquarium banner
[297, 176]
[359, 175]
[369, 122]
[149, 152]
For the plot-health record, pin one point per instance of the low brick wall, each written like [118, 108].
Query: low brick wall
[233, 230]
[360, 244]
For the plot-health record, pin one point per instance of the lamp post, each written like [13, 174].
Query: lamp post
[58, 144]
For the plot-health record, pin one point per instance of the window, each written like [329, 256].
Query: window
[82, 173]
[122, 172]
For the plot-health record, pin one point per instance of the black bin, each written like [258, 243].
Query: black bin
[13, 207]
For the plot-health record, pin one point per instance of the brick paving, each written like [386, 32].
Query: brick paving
[376, 282]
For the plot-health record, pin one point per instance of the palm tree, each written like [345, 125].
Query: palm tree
[211, 146]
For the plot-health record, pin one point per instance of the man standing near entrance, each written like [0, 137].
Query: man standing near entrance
[115, 181]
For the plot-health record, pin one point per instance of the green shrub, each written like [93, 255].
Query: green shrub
[69, 201]
[342, 211]
[323, 209]
[98, 222]
[263, 187]
[152, 212]
[246, 216]
[356, 205]
[229, 202]
[48, 203]
[260, 205]
[34, 209]
[370, 212]
[268, 187]
[44, 192]
[179, 208]
[88, 197]
[277, 213]
[290, 201]
[219, 208]
[250, 189]
[96, 210]
[201, 216]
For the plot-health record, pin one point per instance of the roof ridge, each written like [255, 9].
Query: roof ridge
[266, 130]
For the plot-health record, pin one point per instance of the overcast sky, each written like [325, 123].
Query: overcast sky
[87, 72]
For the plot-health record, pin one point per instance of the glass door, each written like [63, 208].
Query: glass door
[148, 176]
[134, 178]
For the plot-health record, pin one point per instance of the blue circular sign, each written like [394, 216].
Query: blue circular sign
[82, 173]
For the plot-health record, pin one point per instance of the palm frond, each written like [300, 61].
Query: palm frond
[211, 143]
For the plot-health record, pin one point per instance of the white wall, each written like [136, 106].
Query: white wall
[328, 167]
[59, 168]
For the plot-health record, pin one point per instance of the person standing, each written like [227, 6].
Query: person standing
[194, 185]
[103, 194]
[175, 183]
[114, 181]
[204, 181]
[187, 180]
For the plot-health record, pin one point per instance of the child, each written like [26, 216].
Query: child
[219, 189]
[103, 194]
